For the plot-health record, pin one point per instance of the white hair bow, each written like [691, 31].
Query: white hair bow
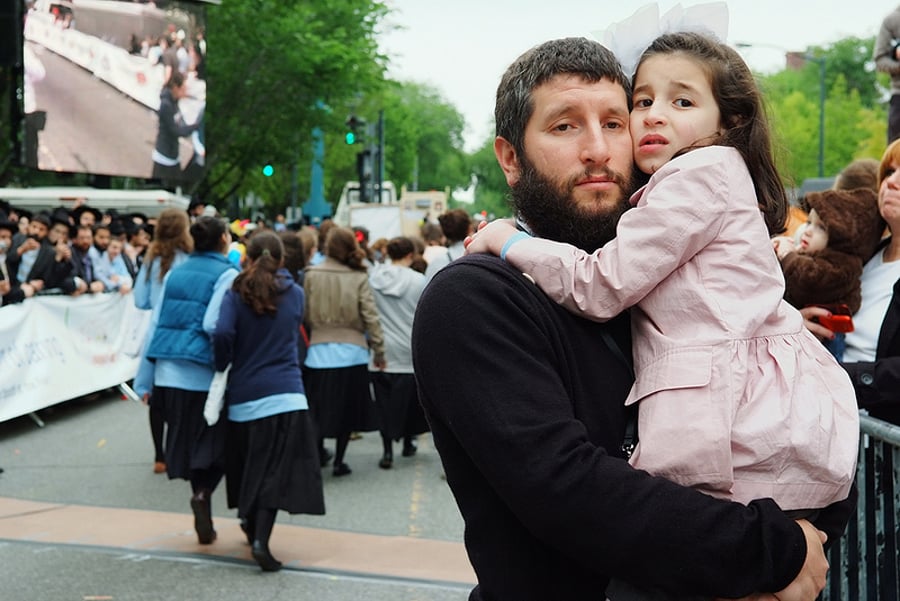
[629, 38]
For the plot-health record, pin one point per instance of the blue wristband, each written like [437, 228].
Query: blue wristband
[512, 240]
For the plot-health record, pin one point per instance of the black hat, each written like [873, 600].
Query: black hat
[116, 228]
[22, 212]
[140, 216]
[10, 226]
[79, 211]
[60, 215]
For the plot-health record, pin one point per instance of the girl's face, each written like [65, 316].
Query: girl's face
[674, 108]
[815, 234]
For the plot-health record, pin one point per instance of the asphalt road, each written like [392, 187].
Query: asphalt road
[385, 536]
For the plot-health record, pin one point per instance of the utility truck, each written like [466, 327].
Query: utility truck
[391, 216]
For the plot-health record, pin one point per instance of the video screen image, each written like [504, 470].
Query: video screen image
[115, 87]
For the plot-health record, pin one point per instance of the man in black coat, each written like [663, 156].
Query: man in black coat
[33, 261]
[525, 400]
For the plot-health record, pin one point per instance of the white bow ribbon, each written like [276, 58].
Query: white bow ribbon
[629, 38]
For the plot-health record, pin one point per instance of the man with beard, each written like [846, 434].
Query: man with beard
[83, 278]
[33, 262]
[525, 400]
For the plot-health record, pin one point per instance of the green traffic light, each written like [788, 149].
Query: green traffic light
[268, 170]
[350, 137]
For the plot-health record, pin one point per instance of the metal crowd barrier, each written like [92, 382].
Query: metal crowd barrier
[864, 562]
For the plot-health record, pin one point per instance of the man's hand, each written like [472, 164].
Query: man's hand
[80, 287]
[96, 286]
[37, 285]
[490, 237]
[28, 244]
[5, 287]
[818, 330]
[811, 579]
[63, 252]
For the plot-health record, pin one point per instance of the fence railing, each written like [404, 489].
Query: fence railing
[864, 562]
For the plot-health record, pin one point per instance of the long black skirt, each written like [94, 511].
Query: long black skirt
[190, 443]
[273, 463]
[399, 412]
[340, 401]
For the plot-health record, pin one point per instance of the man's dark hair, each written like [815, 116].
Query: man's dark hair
[585, 58]
[207, 233]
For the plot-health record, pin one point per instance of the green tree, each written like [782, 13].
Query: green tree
[491, 192]
[279, 66]
[426, 142]
[854, 113]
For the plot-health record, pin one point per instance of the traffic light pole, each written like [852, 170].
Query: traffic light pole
[379, 166]
[370, 160]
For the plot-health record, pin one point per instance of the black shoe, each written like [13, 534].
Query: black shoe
[325, 456]
[248, 528]
[341, 469]
[387, 461]
[409, 448]
[200, 505]
[264, 558]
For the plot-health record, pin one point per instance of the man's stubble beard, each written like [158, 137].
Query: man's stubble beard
[548, 209]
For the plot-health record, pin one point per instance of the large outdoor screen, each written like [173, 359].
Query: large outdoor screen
[115, 87]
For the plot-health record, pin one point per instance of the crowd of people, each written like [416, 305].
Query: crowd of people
[69, 251]
[297, 323]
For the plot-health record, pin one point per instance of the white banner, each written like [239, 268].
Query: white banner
[56, 348]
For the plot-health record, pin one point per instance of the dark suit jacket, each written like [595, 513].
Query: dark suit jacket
[877, 382]
[45, 266]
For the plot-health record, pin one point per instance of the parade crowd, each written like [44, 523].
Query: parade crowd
[302, 335]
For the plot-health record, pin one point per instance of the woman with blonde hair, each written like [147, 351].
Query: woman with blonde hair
[343, 324]
[171, 245]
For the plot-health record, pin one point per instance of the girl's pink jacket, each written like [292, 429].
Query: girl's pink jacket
[736, 397]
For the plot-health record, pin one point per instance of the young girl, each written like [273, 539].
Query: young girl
[736, 398]
[272, 461]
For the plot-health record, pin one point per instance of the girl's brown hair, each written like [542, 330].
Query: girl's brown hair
[257, 284]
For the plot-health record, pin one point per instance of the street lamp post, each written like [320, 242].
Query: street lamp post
[820, 60]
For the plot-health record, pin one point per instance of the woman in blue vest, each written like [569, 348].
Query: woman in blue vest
[272, 459]
[181, 346]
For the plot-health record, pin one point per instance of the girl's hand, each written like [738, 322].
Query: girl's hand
[490, 237]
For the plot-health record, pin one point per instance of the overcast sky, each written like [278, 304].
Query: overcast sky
[461, 47]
